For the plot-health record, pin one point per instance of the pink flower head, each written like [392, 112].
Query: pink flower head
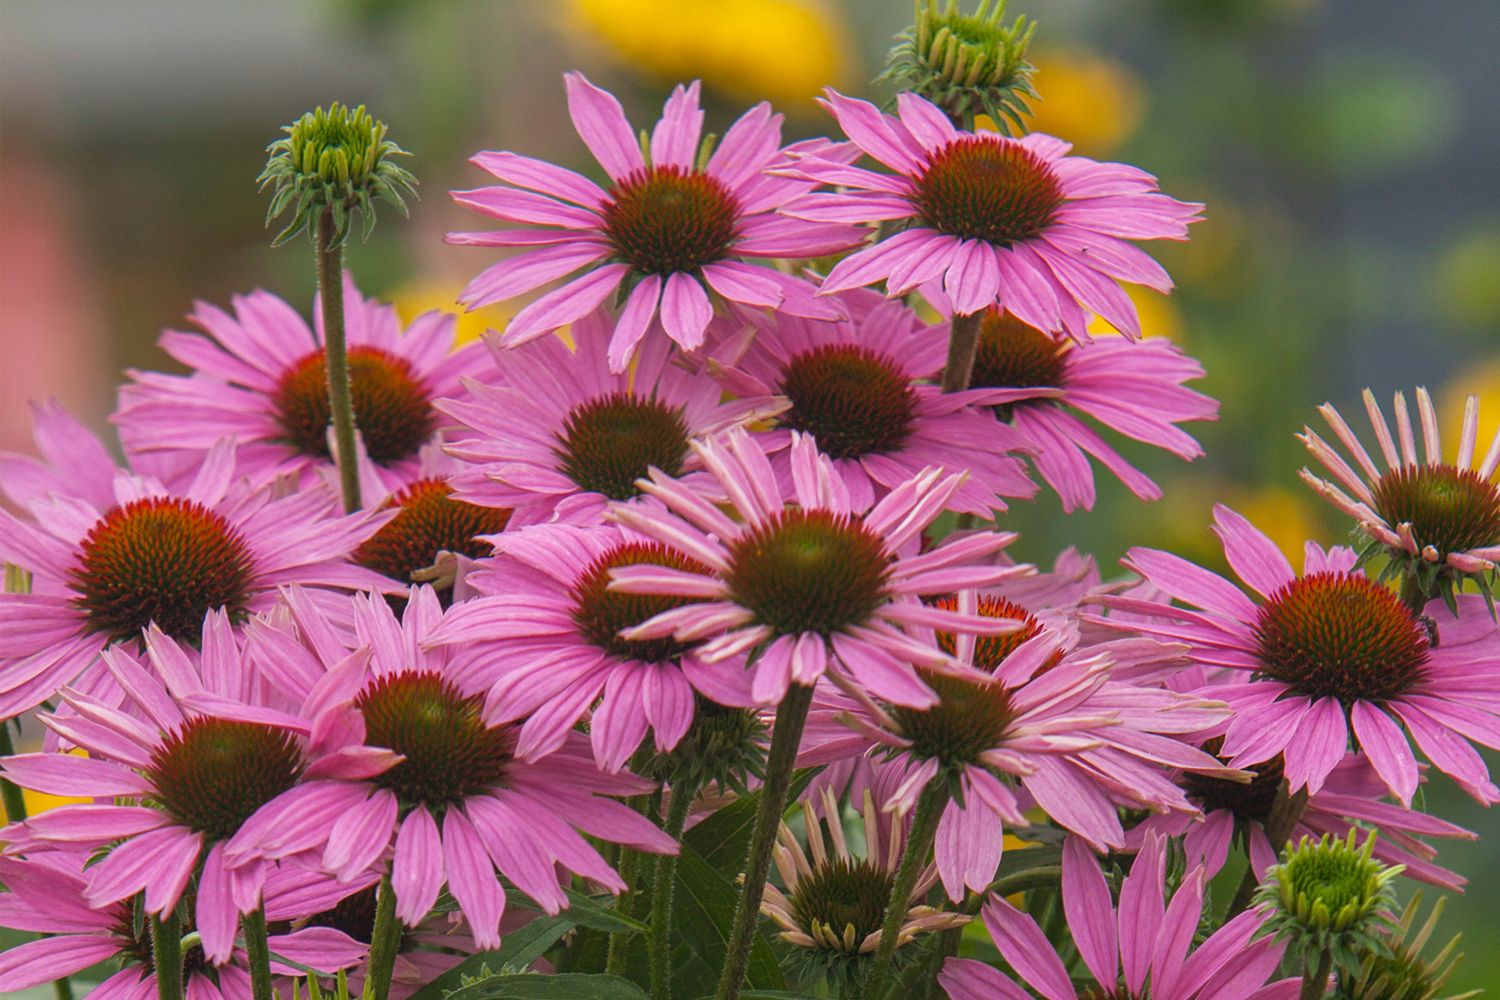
[559, 435]
[548, 627]
[459, 803]
[1037, 720]
[1428, 512]
[204, 745]
[1013, 223]
[49, 893]
[805, 580]
[1327, 655]
[669, 229]
[260, 377]
[1052, 392]
[857, 387]
[1146, 937]
[110, 553]
[1233, 811]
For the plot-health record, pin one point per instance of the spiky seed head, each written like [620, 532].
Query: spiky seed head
[335, 159]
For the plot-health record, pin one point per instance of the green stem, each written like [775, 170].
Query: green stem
[791, 716]
[1412, 594]
[662, 890]
[1315, 980]
[10, 793]
[336, 351]
[963, 342]
[916, 857]
[385, 941]
[1286, 810]
[62, 989]
[166, 956]
[258, 952]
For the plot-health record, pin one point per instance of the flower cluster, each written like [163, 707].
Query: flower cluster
[380, 655]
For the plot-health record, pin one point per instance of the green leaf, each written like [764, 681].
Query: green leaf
[533, 986]
[723, 839]
[705, 910]
[585, 911]
[519, 949]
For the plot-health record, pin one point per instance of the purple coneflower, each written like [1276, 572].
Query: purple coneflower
[857, 387]
[669, 228]
[804, 577]
[260, 376]
[1327, 655]
[459, 803]
[1014, 223]
[559, 436]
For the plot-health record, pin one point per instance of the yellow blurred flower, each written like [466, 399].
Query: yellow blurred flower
[1482, 380]
[414, 299]
[1159, 318]
[1093, 102]
[1289, 518]
[784, 51]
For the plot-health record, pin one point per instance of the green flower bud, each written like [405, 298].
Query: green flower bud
[1331, 895]
[966, 64]
[336, 160]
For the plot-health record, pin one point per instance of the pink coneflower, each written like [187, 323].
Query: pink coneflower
[460, 803]
[1428, 512]
[1038, 721]
[669, 229]
[1328, 654]
[548, 627]
[559, 435]
[856, 387]
[260, 377]
[210, 747]
[1145, 938]
[48, 893]
[1044, 389]
[1233, 811]
[1014, 223]
[805, 578]
[109, 558]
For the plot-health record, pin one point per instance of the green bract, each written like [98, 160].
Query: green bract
[336, 160]
[966, 64]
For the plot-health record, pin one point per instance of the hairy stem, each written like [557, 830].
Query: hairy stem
[385, 941]
[166, 956]
[1315, 980]
[791, 716]
[258, 952]
[336, 351]
[918, 847]
[963, 342]
[662, 891]
[1285, 812]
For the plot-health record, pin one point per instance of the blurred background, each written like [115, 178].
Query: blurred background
[1346, 150]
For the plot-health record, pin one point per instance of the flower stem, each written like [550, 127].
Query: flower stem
[1286, 810]
[166, 956]
[963, 342]
[663, 889]
[1315, 981]
[385, 941]
[791, 716]
[11, 794]
[918, 847]
[1412, 594]
[336, 352]
[258, 952]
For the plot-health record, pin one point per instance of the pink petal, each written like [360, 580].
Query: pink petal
[602, 125]
[685, 310]
[417, 871]
[1090, 910]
